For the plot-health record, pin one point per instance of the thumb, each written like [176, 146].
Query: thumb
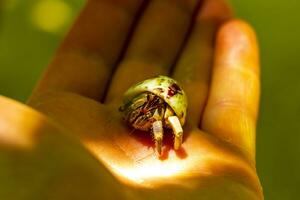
[43, 162]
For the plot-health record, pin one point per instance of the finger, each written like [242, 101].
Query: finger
[232, 107]
[85, 59]
[155, 44]
[194, 65]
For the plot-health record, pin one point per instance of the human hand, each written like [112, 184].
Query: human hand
[218, 67]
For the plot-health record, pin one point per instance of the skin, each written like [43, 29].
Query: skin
[218, 69]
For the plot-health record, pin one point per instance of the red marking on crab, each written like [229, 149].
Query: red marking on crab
[173, 90]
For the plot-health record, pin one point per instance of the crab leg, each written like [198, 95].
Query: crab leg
[158, 135]
[177, 129]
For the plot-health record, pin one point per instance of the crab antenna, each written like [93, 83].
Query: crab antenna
[177, 129]
[158, 135]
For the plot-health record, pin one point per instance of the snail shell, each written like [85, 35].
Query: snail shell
[164, 87]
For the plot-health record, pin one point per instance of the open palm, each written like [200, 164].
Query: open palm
[115, 44]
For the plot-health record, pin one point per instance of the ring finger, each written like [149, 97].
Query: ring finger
[194, 65]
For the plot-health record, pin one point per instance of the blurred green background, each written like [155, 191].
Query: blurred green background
[30, 31]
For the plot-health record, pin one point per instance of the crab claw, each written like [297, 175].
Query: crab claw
[177, 130]
[158, 135]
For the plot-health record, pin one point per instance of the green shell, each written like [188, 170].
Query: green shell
[166, 88]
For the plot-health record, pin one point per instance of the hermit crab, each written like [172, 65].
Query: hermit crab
[155, 104]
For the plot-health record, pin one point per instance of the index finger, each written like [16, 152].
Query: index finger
[84, 61]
